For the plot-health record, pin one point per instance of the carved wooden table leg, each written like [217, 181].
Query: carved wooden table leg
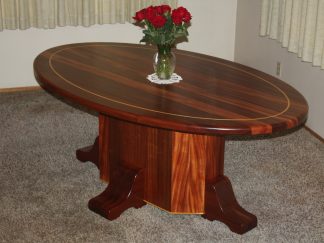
[125, 190]
[220, 201]
[126, 185]
[98, 152]
[221, 204]
[89, 153]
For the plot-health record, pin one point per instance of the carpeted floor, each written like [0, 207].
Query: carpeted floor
[45, 190]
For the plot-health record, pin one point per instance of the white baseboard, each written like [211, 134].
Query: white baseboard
[19, 89]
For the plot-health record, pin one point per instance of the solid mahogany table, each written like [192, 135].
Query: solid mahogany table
[164, 144]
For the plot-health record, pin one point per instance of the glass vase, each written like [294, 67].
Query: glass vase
[164, 62]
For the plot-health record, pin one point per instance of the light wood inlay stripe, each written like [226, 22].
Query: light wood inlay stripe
[216, 96]
[168, 113]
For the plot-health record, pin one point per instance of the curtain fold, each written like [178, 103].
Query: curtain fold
[24, 14]
[298, 25]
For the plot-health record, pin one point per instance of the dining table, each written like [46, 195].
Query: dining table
[164, 144]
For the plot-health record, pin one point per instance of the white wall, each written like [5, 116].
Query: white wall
[212, 32]
[263, 53]
[19, 48]
[213, 27]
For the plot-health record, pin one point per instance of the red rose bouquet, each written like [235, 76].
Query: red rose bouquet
[162, 24]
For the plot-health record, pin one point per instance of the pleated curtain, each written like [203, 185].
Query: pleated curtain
[23, 14]
[298, 25]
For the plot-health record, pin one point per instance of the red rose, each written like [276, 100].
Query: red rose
[166, 8]
[159, 10]
[140, 15]
[150, 13]
[187, 17]
[180, 14]
[182, 11]
[158, 21]
[176, 18]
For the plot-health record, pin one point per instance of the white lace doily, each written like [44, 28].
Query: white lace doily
[175, 78]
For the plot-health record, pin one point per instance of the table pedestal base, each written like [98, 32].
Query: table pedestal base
[221, 204]
[178, 172]
[124, 191]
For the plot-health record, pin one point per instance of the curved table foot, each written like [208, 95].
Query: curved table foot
[125, 190]
[221, 204]
[89, 153]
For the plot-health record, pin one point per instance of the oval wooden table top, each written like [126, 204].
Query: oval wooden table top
[215, 96]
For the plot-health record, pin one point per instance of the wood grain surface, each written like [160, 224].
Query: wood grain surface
[215, 97]
[188, 172]
[174, 163]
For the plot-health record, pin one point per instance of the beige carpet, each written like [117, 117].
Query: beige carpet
[45, 190]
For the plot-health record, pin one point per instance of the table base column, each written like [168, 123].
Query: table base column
[178, 172]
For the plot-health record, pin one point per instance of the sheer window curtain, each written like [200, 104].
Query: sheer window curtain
[24, 14]
[298, 25]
